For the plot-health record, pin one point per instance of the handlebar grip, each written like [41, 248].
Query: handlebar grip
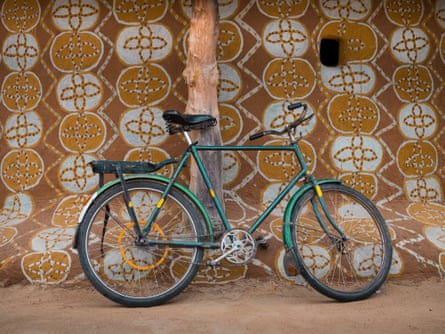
[257, 135]
[296, 105]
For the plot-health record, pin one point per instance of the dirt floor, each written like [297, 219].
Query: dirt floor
[248, 306]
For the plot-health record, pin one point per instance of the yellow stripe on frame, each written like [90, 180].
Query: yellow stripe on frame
[318, 190]
[161, 201]
[212, 193]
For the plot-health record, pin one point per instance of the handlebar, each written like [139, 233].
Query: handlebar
[289, 128]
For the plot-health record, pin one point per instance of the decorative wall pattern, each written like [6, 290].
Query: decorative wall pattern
[89, 79]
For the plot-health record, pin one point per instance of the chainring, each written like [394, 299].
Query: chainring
[239, 245]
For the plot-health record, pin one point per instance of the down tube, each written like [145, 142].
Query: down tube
[272, 206]
[276, 201]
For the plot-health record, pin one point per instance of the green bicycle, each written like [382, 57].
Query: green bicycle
[141, 237]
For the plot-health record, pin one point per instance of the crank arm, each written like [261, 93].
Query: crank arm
[223, 256]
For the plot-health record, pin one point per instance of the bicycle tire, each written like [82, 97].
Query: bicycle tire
[345, 271]
[139, 275]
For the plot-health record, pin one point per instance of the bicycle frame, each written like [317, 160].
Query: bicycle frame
[135, 254]
[193, 151]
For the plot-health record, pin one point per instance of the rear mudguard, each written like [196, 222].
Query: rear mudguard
[287, 238]
[152, 177]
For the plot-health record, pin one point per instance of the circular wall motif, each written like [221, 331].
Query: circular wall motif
[366, 183]
[417, 121]
[79, 92]
[230, 41]
[75, 15]
[410, 45]
[225, 273]
[277, 116]
[286, 38]
[143, 85]
[350, 78]
[229, 83]
[21, 91]
[357, 153]
[7, 234]
[423, 189]
[289, 78]
[353, 113]
[413, 83]
[141, 44]
[20, 52]
[143, 126]
[20, 15]
[440, 13]
[150, 154]
[23, 129]
[49, 267]
[68, 211]
[417, 158]
[283, 165]
[82, 132]
[283, 9]
[52, 238]
[76, 51]
[21, 169]
[404, 13]
[17, 208]
[138, 12]
[231, 167]
[427, 213]
[269, 194]
[358, 41]
[230, 123]
[75, 175]
[436, 235]
[348, 10]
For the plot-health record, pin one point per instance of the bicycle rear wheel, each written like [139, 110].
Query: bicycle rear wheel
[135, 275]
[344, 270]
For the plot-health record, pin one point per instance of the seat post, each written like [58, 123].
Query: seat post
[187, 137]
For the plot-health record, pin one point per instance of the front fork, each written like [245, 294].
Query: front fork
[319, 201]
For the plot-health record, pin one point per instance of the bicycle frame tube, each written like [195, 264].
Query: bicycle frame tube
[164, 195]
[195, 149]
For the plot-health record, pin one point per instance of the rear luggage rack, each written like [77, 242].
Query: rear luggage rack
[118, 168]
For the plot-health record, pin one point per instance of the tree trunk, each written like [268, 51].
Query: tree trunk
[201, 75]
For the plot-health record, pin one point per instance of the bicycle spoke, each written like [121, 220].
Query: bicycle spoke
[124, 269]
[345, 268]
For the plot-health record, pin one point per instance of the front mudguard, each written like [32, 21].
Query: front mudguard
[287, 217]
[152, 177]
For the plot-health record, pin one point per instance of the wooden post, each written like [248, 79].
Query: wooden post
[201, 75]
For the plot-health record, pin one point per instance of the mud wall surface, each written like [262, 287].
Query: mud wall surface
[89, 79]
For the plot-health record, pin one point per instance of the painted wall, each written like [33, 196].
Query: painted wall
[89, 79]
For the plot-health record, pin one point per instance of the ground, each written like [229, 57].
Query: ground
[247, 306]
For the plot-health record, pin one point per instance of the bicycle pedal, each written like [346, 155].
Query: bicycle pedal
[261, 242]
[289, 264]
[213, 263]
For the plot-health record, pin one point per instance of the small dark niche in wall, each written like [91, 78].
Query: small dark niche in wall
[329, 51]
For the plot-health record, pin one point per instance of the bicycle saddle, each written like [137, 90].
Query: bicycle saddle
[185, 122]
[174, 116]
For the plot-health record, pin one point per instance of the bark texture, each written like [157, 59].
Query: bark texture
[201, 75]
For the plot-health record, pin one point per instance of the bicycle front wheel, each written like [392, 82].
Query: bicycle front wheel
[348, 268]
[133, 274]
